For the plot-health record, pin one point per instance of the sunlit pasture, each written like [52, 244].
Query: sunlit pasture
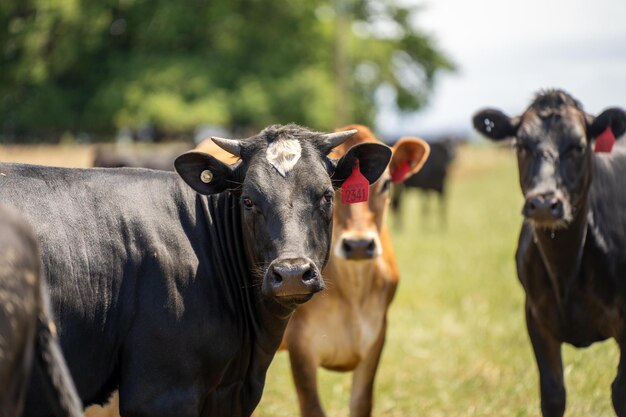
[457, 343]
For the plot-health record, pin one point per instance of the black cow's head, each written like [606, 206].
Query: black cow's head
[554, 139]
[286, 183]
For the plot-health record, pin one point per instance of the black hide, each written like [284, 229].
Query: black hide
[571, 260]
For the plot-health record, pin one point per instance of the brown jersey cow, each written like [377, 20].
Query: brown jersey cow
[344, 330]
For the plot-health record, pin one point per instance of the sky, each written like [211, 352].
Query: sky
[508, 50]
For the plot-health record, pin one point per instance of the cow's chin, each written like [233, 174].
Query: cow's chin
[293, 301]
[549, 225]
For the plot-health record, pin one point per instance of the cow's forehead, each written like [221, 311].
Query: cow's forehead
[283, 154]
[553, 115]
[280, 167]
[564, 123]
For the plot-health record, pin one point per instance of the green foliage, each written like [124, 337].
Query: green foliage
[80, 65]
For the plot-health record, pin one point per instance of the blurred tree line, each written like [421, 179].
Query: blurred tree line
[96, 66]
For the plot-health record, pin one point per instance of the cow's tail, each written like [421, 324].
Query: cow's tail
[52, 363]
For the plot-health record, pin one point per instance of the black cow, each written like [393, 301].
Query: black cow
[181, 299]
[571, 256]
[105, 157]
[431, 178]
[26, 328]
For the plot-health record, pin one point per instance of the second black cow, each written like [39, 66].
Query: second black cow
[571, 256]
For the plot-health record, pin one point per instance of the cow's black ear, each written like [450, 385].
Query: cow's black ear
[614, 118]
[373, 160]
[206, 174]
[494, 124]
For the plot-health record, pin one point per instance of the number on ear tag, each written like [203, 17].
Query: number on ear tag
[605, 142]
[356, 187]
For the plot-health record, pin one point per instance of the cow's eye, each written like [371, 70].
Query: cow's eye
[327, 198]
[576, 150]
[385, 186]
[247, 203]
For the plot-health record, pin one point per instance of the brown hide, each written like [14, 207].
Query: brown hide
[344, 328]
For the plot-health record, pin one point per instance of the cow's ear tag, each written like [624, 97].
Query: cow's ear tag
[605, 142]
[401, 172]
[206, 176]
[355, 188]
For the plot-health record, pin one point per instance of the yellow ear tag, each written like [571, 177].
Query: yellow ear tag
[206, 176]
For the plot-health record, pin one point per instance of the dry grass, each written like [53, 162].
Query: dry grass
[77, 156]
[72, 156]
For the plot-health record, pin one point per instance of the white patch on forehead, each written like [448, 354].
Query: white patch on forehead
[283, 154]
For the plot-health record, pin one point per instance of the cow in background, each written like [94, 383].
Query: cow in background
[26, 327]
[571, 254]
[345, 329]
[432, 178]
[161, 159]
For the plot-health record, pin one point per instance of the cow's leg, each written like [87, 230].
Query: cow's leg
[618, 388]
[362, 395]
[304, 371]
[443, 210]
[425, 196]
[397, 192]
[548, 355]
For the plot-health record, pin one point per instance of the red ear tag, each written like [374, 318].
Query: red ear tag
[401, 172]
[605, 142]
[356, 187]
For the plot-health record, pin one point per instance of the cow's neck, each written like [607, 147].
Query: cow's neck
[263, 320]
[561, 251]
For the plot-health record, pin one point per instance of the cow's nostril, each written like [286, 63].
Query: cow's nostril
[308, 275]
[556, 208]
[278, 279]
[346, 246]
[371, 246]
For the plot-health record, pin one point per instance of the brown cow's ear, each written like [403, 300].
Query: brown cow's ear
[373, 160]
[614, 118]
[494, 124]
[409, 155]
[206, 174]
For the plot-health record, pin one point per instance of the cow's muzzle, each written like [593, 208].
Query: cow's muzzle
[359, 249]
[292, 281]
[545, 209]
[358, 246]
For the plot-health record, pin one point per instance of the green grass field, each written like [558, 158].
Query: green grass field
[457, 343]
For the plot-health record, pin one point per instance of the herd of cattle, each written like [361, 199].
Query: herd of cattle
[172, 291]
